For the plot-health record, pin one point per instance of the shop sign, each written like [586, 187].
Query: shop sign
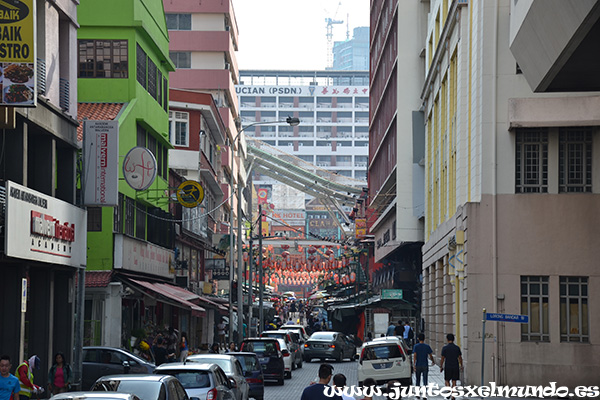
[18, 53]
[139, 168]
[43, 228]
[101, 157]
[190, 194]
[140, 256]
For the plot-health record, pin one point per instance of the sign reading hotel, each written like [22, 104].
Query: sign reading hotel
[101, 155]
[17, 53]
[42, 228]
[303, 90]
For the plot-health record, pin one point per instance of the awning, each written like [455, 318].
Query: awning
[175, 293]
[214, 304]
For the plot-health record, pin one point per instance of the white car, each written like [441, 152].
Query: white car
[287, 358]
[385, 359]
[201, 381]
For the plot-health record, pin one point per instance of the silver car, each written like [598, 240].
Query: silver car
[232, 368]
[94, 396]
[204, 381]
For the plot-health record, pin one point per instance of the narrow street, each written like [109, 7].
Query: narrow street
[292, 389]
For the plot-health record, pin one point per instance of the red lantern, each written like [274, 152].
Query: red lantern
[336, 278]
[352, 277]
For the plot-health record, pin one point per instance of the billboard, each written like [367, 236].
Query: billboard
[101, 158]
[17, 53]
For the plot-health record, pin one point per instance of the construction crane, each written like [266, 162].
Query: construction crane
[330, 22]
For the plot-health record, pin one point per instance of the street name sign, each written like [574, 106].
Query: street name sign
[522, 319]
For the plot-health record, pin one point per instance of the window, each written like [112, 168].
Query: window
[94, 221]
[129, 216]
[179, 22]
[140, 221]
[152, 75]
[165, 93]
[179, 128]
[534, 303]
[140, 66]
[103, 58]
[141, 136]
[118, 217]
[532, 161]
[181, 59]
[574, 324]
[575, 160]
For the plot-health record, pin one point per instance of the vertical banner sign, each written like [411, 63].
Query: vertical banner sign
[101, 159]
[17, 53]
[262, 195]
[360, 227]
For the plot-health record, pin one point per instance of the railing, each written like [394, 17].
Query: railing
[92, 332]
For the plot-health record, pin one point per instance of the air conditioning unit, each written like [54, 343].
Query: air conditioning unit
[227, 65]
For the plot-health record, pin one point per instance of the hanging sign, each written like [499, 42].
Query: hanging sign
[190, 194]
[139, 168]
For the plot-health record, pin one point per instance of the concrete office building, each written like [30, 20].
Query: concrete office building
[333, 108]
[352, 54]
[512, 197]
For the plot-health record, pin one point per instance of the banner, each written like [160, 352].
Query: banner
[101, 158]
[17, 53]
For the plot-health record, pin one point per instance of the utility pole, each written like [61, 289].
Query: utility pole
[261, 287]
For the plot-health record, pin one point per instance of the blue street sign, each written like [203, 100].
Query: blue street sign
[522, 319]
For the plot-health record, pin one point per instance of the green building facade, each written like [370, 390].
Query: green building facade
[123, 74]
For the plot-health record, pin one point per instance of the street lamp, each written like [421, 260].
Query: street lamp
[292, 121]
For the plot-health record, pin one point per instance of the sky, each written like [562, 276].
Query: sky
[291, 34]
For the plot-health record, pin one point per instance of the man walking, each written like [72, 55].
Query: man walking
[317, 391]
[420, 353]
[9, 384]
[390, 329]
[451, 362]
[339, 382]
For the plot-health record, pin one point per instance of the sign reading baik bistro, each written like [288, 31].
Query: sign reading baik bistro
[42, 228]
[17, 53]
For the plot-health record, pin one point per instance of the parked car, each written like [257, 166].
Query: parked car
[287, 358]
[300, 328]
[297, 338]
[232, 368]
[269, 355]
[385, 359]
[328, 344]
[205, 381]
[94, 396]
[253, 373]
[146, 387]
[292, 345]
[100, 361]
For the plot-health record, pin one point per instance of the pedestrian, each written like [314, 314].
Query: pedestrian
[408, 334]
[9, 384]
[317, 391]
[390, 329]
[232, 348]
[60, 376]
[339, 382]
[369, 384]
[399, 329]
[183, 347]
[221, 332]
[420, 353]
[171, 344]
[451, 362]
[160, 352]
[25, 376]
[214, 349]
[290, 321]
